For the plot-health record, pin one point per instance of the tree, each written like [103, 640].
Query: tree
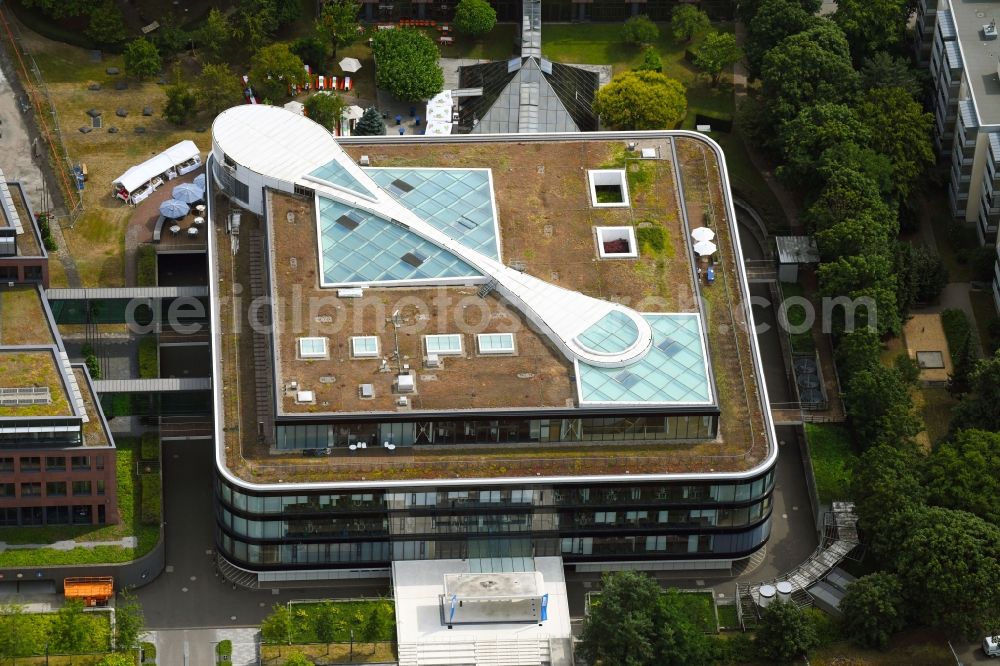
[68, 630]
[277, 627]
[406, 62]
[717, 53]
[325, 108]
[639, 30]
[873, 609]
[107, 24]
[747, 9]
[686, 21]
[773, 21]
[251, 27]
[274, 68]
[810, 67]
[869, 287]
[883, 70]
[217, 89]
[858, 350]
[370, 124]
[130, 622]
[181, 104]
[921, 275]
[375, 627]
[949, 565]
[213, 36]
[19, 636]
[338, 23]
[880, 408]
[886, 487]
[634, 623]
[816, 129]
[141, 59]
[171, 38]
[784, 633]
[961, 473]
[964, 362]
[641, 101]
[651, 60]
[60, 8]
[311, 50]
[978, 409]
[297, 659]
[872, 25]
[475, 18]
[900, 130]
[325, 622]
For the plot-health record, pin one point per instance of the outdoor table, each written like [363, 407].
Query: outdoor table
[402, 131]
[192, 231]
[199, 221]
[200, 208]
[175, 229]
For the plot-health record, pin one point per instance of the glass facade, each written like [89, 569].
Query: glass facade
[581, 522]
[623, 427]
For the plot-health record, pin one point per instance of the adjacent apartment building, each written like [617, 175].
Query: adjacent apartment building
[479, 347]
[57, 456]
[959, 38]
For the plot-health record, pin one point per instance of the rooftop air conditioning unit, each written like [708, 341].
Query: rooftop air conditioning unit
[433, 361]
[402, 401]
[405, 384]
[364, 161]
[990, 30]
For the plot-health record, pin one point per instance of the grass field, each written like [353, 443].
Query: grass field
[833, 460]
[343, 616]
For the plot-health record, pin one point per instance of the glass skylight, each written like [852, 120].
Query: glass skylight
[614, 332]
[444, 345]
[364, 346]
[458, 202]
[337, 175]
[312, 347]
[495, 343]
[376, 250]
[674, 371]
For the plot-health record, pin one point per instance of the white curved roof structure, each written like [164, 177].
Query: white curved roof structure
[280, 144]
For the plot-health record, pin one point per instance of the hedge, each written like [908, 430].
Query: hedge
[146, 266]
[956, 328]
[149, 362]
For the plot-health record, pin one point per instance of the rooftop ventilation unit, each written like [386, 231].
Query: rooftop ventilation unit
[366, 391]
[364, 161]
[990, 30]
[405, 384]
[305, 397]
[433, 361]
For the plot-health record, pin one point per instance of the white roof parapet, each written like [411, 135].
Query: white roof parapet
[278, 143]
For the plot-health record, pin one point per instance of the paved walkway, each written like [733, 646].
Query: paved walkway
[194, 647]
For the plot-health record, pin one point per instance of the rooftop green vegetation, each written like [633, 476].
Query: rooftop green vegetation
[22, 318]
[833, 460]
[360, 630]
[33, 369]
[129, 525]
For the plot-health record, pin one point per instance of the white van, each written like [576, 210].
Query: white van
[991, 646]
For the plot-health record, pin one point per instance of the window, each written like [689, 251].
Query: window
[31, 464]
[606, 517]
[495, 343]
[100, 486]
[55, 489]
[444, 345]
[364, 346]
[100, 462]
[56, 515]
[312, 347]
[55, 464]
[241, 191]
[608, 188]
[81, 463]
[33, 273]
[33, 489]
[81, 487]
[6, 465]
[522, 496]
[489, 496]
[6, 490]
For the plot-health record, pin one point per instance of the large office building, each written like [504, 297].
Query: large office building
[959, 39]
[479, 347]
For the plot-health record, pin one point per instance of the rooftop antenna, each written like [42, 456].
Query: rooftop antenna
[397, 321]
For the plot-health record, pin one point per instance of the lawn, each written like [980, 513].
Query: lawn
[344, 616]
[128, 525]
[833, 460]
[699, 607]
[728, 617]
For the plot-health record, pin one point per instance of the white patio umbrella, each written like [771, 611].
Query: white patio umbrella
[353, 112]
[705, 248]
[199, 180]
[350, 64]
[703, 234]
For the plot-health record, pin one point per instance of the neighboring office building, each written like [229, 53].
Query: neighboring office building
[57, 456]
[561, 424]
[22, 252]
[965, 69]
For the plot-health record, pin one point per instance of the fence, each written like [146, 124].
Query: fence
[38, 94]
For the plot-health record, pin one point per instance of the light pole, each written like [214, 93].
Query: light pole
[352, 645]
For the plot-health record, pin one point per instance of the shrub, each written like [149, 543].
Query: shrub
[224, 648]
[146, 266]
[651, 60]
[956, 329]
[149, 446]
[474, 17]
[142, 59]
[149, 362]
[150, 509]
[640, 30]
[90, 358]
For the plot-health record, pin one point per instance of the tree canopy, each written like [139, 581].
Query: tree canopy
[274, 68]
[810, 67]
[60, 8]
[978, 408]
[338, 23]
[816, 129]
[773, 21]
[406, 64]
[641, 100]
[107, 24]
[880, 408]
[474, 17]
[217, 88]
[326, 109]
[370, 124]
[886, 486]
[686, 21]
[865, 287]
[141, 59]
[961, 473]
[181, 104]
[873, 609]
[640, 30]
[858, 350]
[69, 630]
[130, 622]
[784, 633]
[633, 623]
[213, 36]
[884, 70]
[718, 52]
[901, 130]
[872, 25]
